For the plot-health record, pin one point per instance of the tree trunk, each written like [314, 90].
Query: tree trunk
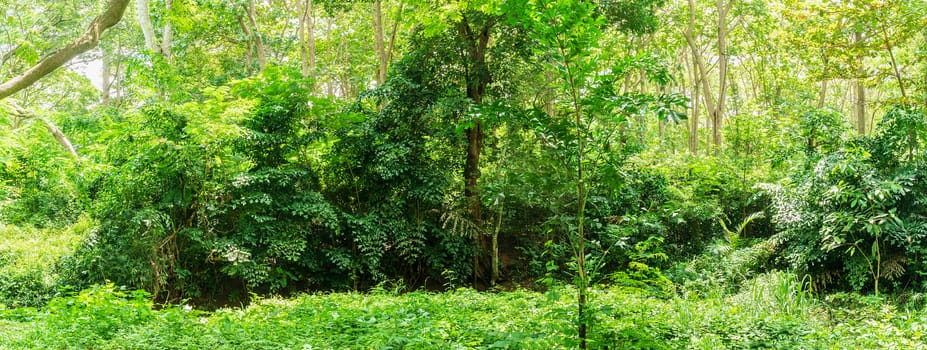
[712, 109]
[895, 70]
[392, 34]
[144, 21]
[477, 78]
[89, 39]
[301, 35]
[256, 36]
[167, 35]
[693, 118]
[310, 36]
[494, 277]
[307, 41]
[823, 94]
[21, 116]
[106, 74]
[378, 42]
[718, 114]
[249, 56]
[860, 107]
[330, 52]
[60, 137]
[860, 93]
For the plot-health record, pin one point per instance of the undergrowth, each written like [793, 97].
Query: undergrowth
[772, 311]
[28, 257]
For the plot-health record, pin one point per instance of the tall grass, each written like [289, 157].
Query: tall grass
[778, 293]
[28, 257]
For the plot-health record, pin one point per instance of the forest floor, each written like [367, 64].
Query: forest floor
[767, 314]
[770, 311]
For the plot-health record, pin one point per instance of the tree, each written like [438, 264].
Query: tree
[306, 34]
[88, 40]
[714, 103]
[163, 46]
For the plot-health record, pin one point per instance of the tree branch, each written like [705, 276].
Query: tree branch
[88, 40]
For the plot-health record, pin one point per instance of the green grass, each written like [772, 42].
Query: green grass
[770, 313]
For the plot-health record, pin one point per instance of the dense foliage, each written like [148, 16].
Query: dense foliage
[640, 159]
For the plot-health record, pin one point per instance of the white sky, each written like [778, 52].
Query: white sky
[91, 69]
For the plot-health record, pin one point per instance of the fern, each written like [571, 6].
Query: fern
[733, 237]
[460, 225]
[893, 268]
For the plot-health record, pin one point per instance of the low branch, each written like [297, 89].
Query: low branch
[23, 115]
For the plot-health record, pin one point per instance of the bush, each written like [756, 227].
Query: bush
[854, 215]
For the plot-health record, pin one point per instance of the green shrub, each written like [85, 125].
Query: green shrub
[854, 215]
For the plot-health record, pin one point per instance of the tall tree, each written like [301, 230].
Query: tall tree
[715, 103]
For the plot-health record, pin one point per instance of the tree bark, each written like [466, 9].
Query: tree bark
[167, 35]
[60, 137]
[378, 42]
[477, 78]
[693, 118]
[895, 70]
[718, 114]
[89, 39]
[860, 93]
[715, 107]
[822, 95]
[256, 36]
[144, 21]
[22, 116]
[392, 34]
[106, 73]
[307, 40]
[700, 65]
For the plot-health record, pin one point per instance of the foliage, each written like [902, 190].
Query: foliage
[857, 218]
[27, 261]
[774, 311]
[40, 179]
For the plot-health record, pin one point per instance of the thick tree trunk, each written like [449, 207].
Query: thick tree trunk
[87, 40]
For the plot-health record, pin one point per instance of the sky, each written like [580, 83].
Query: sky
[91, 69]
